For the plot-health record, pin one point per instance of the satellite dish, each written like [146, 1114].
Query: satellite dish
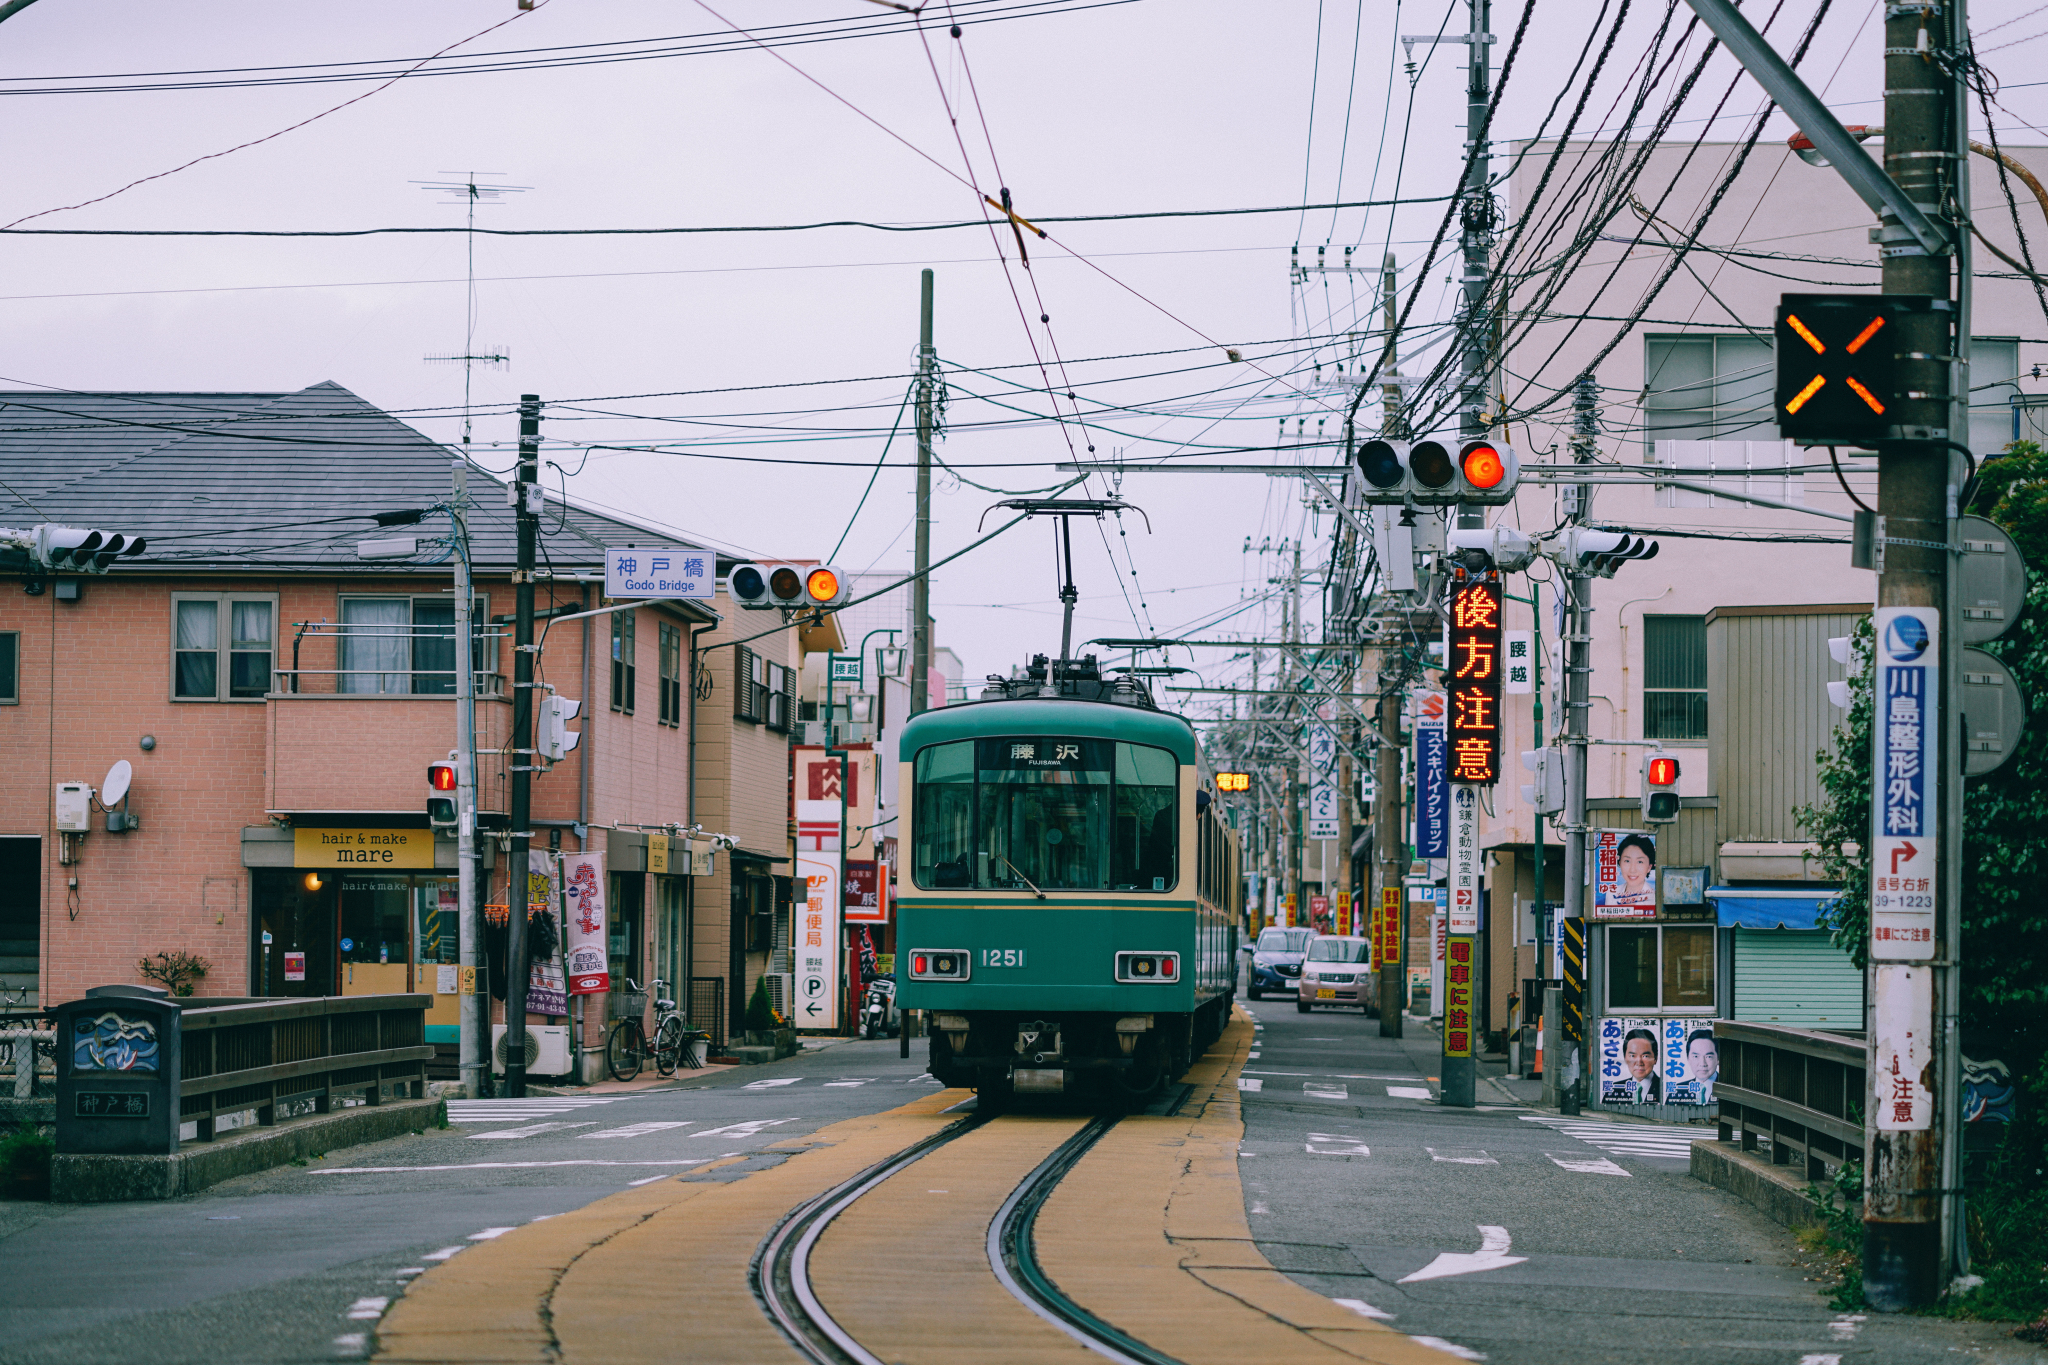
[116, 785]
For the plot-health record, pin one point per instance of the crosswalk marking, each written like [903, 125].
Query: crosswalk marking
[849, 1081]
[1598, 1165]
[533, 1107]
[1247, 1083]
[530, 1130]
[747, 1129]
[1408, 1092]
[771, 1083]
[632, 1130]
[1336, 1144]
[1324, 1090]
[1462, 1156]
[1668, 1140]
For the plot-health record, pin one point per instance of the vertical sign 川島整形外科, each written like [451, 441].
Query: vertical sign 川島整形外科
[1905, 784]
[1472, 664]
[1463, 916]
[1432, 789]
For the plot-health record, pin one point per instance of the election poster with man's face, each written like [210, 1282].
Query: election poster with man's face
[1631, 1053]
[1692, 1061]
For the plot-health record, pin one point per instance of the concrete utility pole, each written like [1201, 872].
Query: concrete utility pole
[526, 494]
[1476, 222]
[921, 589]
[474, 1024]
[1297, 851]
[1569, 1057]
[1912, 1170]
[1389, 838]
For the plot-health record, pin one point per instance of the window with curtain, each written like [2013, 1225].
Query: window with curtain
[670, 640]
[376, 645]
[207, 626]
[623, 660]
[1674, 677]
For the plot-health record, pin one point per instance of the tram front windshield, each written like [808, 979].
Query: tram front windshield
[1055, 814]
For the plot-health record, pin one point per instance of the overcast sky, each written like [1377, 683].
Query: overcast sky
[1084, 108]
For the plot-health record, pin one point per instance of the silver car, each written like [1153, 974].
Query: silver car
[1334, 972]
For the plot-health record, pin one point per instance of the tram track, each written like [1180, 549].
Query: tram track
[782, 1269]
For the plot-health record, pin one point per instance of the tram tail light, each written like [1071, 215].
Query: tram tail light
[1147, 966]
[940, 964]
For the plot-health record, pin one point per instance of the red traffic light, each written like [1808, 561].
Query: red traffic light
[441, 776]
[1483, 466]
[1661, 772]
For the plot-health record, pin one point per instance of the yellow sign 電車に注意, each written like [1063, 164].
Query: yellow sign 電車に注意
[364, 848]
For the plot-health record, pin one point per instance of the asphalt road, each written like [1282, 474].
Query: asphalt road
[270, 1267]
[1521, 1241]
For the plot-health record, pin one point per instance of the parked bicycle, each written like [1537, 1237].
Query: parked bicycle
[627, 1050]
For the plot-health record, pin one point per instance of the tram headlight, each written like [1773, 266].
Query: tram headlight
[940, 964]
[1141, 967]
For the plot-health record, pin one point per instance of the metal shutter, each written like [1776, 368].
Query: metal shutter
[1796, 977]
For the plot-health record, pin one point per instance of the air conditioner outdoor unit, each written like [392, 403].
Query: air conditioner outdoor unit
[781, 986]
[547, 1049]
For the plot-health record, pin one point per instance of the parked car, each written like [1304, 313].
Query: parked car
[1276, 960]
[1334, 973]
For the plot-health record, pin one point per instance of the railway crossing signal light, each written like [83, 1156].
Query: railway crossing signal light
[441, 782]
[1432, 473]
[1837, 372]
[760, 586]
[1660, 789]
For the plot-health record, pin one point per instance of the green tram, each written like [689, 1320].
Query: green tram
[1070, 902]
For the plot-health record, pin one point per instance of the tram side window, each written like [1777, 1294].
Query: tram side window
[945, 816]
[1142, 856]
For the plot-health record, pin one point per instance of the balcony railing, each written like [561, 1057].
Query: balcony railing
[388, 659]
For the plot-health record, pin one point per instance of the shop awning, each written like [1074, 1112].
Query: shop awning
[1756, 908]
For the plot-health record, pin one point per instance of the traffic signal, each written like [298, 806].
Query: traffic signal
[1660, 789]
[1546, 794]
[554, 739]
[1233, 782]
[76, 549]
[1837, 377]
[786, 585]
[1600, 553]
[441, 782]
[1428, 472]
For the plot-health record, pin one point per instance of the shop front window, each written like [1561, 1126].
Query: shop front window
[1660, 967]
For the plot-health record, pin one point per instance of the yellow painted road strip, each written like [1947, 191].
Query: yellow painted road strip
[1148, 1232]
[654, 1274]
[905, 1270]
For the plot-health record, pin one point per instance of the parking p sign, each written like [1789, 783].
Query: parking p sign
[660, 572]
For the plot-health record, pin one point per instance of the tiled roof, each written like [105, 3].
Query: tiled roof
[263, 481]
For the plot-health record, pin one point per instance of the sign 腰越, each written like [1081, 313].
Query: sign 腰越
[814, 941]
[1902, 1013]
[585, 962]
[1458, 956]
[1631, 1061]
[1518, 662]
[393, 848]
[1905, 785]
[1432, 788]
[634, 572]
[1322, 811]
[845, 668]
[1472, 664]
[1692, 1061]
[1463, 910]
[864, 893]
[1622, 866]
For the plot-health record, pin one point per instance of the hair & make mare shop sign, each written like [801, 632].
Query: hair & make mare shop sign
[363, 848]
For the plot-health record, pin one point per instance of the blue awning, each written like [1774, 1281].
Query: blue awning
[1754, 908]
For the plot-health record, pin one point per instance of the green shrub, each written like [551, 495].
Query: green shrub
[25, 1164]
[760, 1014]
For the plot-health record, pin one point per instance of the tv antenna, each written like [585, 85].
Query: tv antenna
[471, 192]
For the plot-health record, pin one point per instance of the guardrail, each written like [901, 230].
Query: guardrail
[257, 1054]
[1798, 1091]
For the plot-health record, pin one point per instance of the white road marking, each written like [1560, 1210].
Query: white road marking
[1451, 1347]
[1349, 1076]
[1492, 1255]
[443, 1254]
[1324, 1090]
[488, 1234]
[1463, 1156]
[1597, 1165]
[1820, 1360]
[410, 1270]
[631, 1130]
[503, 1166]
[857, 1080]
[645, 1180]
[1847, 1326]
[1670, 1141]
[367, 1310]
[1362, 1308]
[1262, 1072]
[1335, 1144]
[1244, 1083]
[351, 1341]
[510, 1110]
[1259, 1206]
[530, 1130]
[771, 1084]
[747, 1129]
[1408, 1092]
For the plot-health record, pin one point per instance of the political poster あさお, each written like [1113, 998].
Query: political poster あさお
[1631, 1056]
[1692, 1061]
